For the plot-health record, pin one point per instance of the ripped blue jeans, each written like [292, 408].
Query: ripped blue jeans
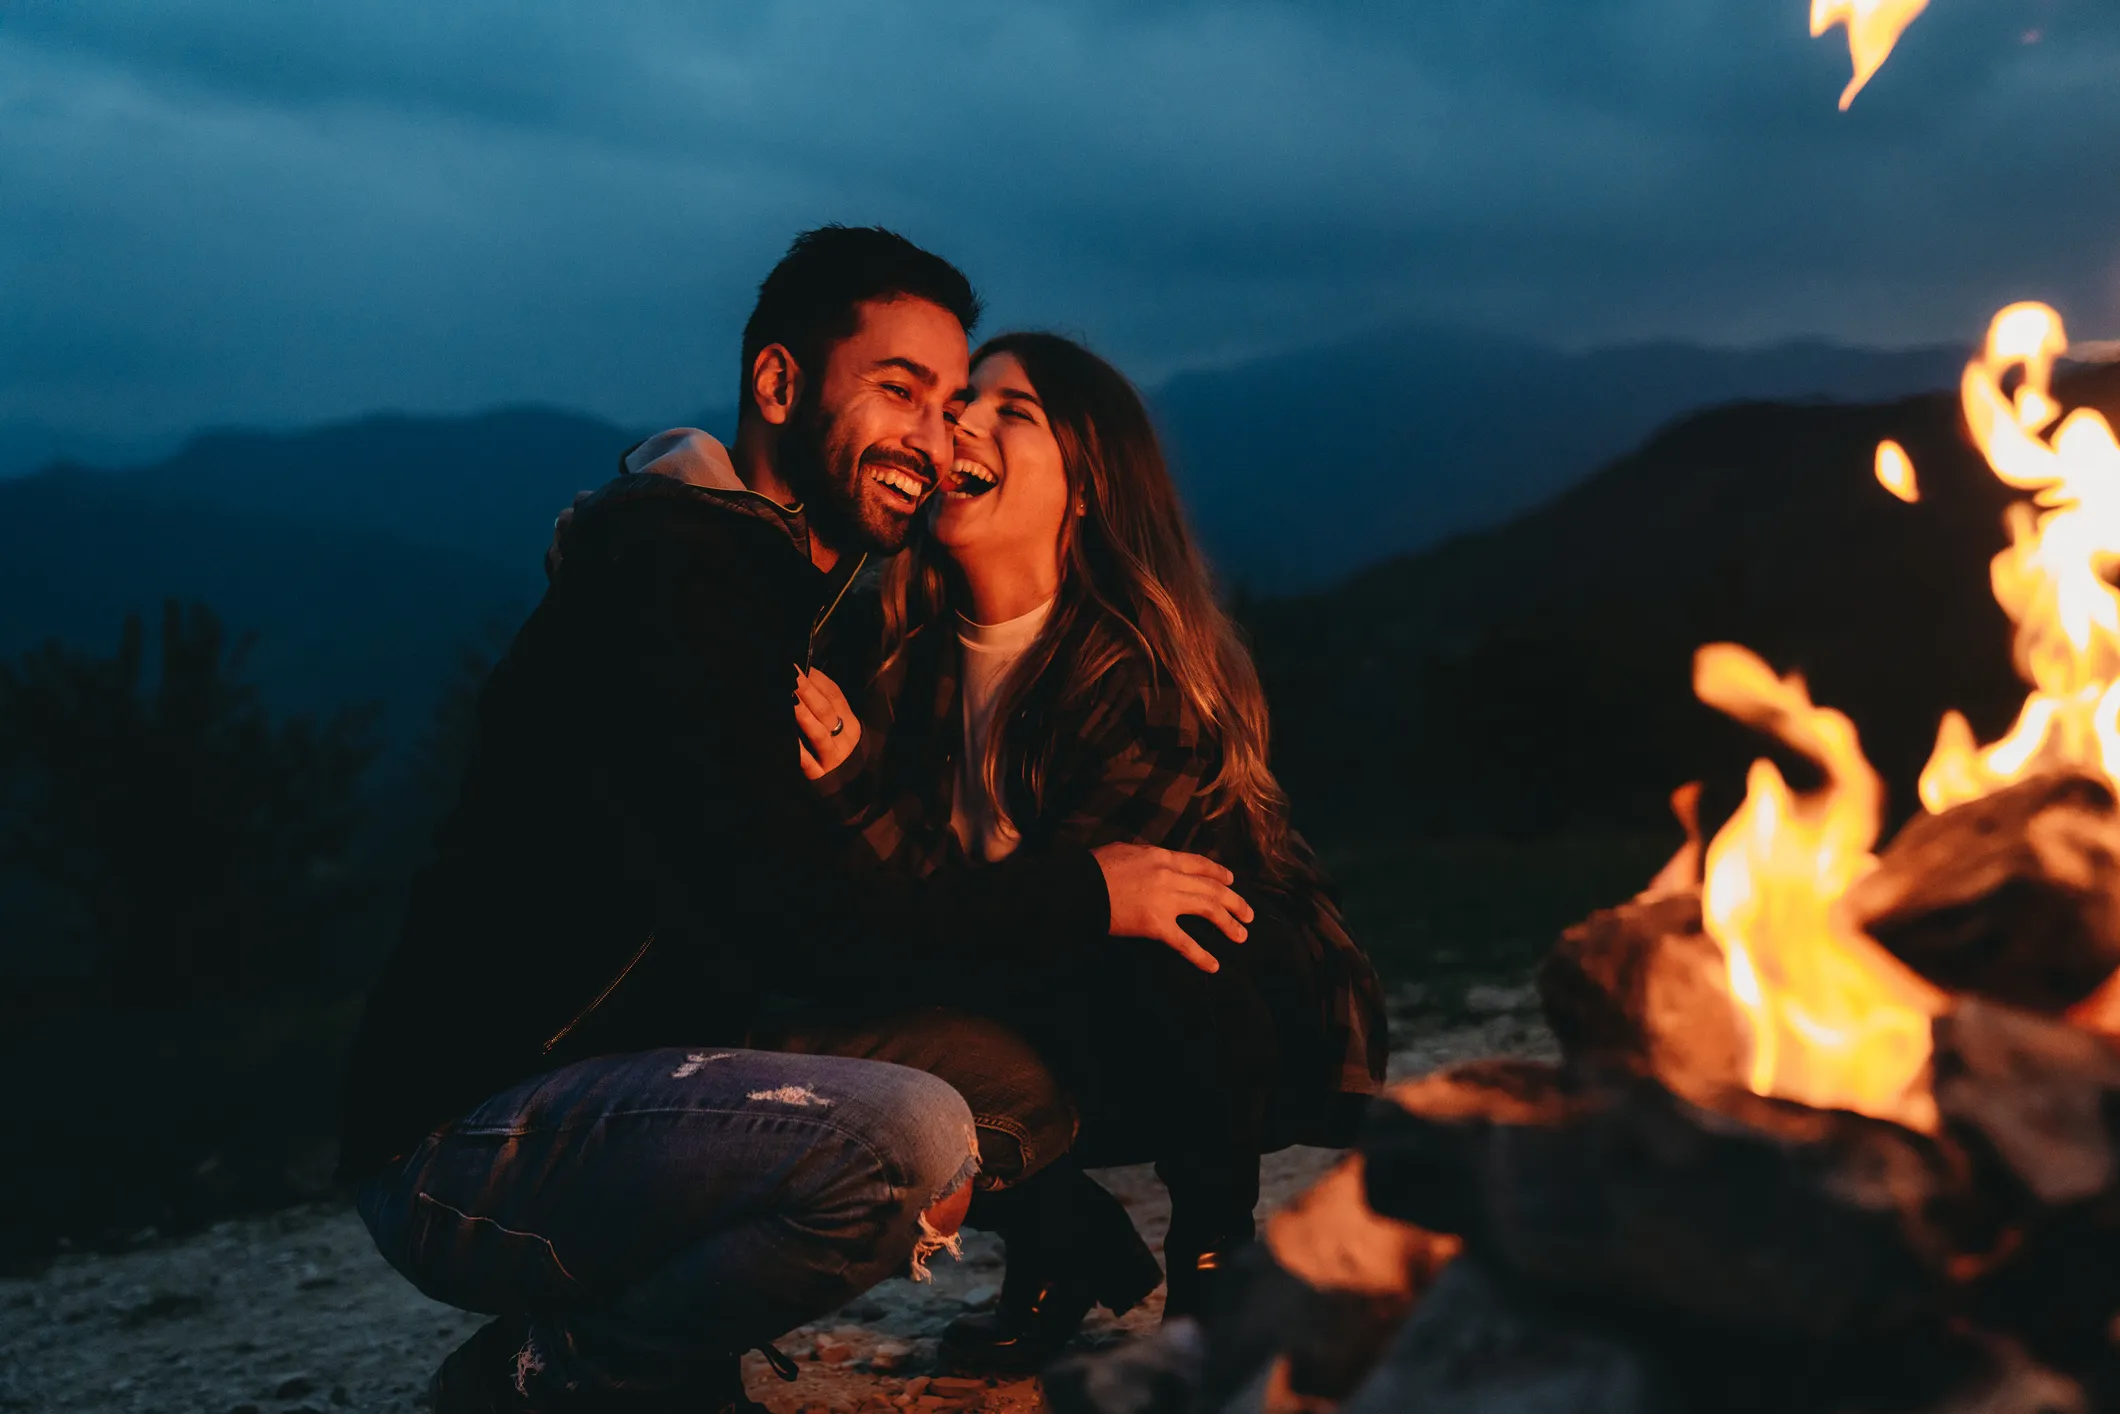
[652, 1212]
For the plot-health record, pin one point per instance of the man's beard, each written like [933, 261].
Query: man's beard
[833, 484]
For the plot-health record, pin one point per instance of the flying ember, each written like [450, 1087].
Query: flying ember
[1874, 26]
[1895, 471]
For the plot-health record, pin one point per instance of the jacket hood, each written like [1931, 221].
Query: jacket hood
[689, 455]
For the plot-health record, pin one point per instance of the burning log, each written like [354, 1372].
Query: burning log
[2014, 896]
[1483, 1342]
[1764, 1217]
[1641, 988]
[2039, 1100]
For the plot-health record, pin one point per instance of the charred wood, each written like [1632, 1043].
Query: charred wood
[2015, 896]
[1759, 1216]
[2039, 1100]
[1485, 1342]
[1641, 988]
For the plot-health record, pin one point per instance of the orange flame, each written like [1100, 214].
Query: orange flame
[2054, 580]
[1895, 471]
[1835, 1020]
[1874, 26]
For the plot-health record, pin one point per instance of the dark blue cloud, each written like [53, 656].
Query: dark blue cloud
[223, 211]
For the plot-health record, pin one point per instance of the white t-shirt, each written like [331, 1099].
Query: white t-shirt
[985, 654]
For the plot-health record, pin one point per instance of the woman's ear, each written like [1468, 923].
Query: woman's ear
[776, 383]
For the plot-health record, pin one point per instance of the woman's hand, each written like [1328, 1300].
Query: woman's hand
[828, 725]
[1151, 889]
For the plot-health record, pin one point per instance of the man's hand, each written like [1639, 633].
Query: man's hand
[1151, 889]
[829, 727]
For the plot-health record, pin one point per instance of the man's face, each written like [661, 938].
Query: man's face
[872, 432]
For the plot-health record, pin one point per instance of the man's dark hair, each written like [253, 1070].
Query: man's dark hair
[810, 301]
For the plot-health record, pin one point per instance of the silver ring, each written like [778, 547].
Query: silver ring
[839, 726]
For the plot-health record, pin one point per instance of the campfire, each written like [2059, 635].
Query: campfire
[1833, 1128]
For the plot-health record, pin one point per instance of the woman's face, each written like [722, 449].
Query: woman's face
[1006, 497]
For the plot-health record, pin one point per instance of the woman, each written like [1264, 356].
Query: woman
[1055, 670]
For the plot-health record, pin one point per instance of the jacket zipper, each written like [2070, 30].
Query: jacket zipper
[809, 647]
[609, 987]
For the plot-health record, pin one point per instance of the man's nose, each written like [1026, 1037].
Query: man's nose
[933, 437]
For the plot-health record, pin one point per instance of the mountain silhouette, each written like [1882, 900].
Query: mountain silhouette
[1302, 468]
[365, 553]
[342, 614]
[1537, 676]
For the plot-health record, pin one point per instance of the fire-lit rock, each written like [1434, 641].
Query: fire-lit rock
[2014, 896]
[1641, 988]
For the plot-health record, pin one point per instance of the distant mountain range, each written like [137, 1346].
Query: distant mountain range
[365, 553]
[1537, 676]
[1303, 468]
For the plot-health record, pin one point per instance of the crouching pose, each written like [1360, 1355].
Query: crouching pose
[1056, 672]
[575, 1102]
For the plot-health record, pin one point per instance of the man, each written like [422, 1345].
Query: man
[552, 1111]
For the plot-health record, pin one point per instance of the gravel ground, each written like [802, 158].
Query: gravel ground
[294, 1312]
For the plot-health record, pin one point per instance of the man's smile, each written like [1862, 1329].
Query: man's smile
[902, 486]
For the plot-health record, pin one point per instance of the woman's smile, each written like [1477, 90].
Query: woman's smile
[969, 479]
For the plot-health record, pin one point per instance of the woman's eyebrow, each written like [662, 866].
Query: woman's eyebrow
[1023, 395]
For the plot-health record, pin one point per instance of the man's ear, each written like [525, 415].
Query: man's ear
[776, 383]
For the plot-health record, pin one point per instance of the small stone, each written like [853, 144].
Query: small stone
[833, 1352]
[1486, 999]
[917, 1386]
[956, 1384]
[293, 1387]
[890, 1355]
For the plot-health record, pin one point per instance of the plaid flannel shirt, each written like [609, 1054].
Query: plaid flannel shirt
[1128, 767]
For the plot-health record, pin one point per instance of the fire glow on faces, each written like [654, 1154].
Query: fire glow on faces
[1007, 495]
[866, 445]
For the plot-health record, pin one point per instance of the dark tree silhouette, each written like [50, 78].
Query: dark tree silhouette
[196, 847]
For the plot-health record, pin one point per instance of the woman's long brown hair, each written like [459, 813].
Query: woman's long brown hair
[1133, 585]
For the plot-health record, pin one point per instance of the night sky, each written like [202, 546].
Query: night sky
[272, 213]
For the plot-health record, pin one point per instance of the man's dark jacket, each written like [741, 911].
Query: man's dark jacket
[635, 860]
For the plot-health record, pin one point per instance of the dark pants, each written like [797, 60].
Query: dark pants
[1198, 1073]
[1025, 1119]
[653, 1211]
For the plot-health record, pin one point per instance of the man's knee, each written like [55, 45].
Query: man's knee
[923, 1131]
[1025, 1117]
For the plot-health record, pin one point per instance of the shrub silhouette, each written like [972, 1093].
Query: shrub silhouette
[193, 847]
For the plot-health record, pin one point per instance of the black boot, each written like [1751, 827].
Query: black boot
[488, 1373]
[1211, 1203]
[494, 1373]
[1071, 1247]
